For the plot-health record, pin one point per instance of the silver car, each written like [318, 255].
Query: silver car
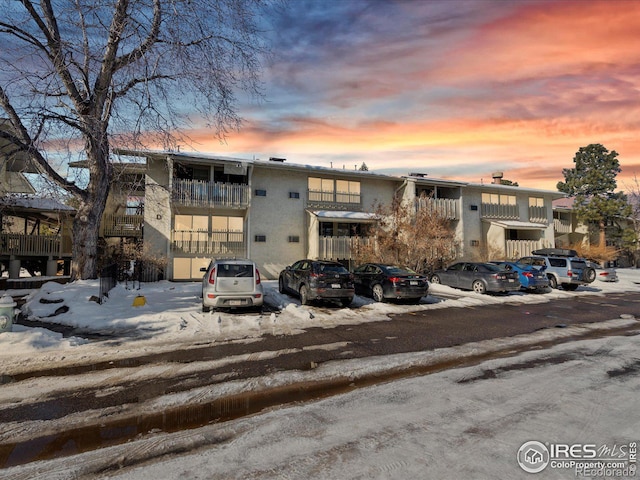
[231, 284]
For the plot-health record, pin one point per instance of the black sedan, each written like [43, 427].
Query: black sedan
[382, 282]
[479, 277]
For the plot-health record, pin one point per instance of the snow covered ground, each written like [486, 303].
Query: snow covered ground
[172, 316]
[461, 423]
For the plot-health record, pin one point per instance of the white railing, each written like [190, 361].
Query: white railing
[538, 214]
[523, 248]
[334, 248]
[496, 210]
[32, 245]
[446, 207]
[227, 243]
[199, 193]
[561, 226]
[122, 225]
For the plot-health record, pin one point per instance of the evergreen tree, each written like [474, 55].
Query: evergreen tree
[592, 182]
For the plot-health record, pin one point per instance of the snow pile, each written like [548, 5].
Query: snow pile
[172, 314]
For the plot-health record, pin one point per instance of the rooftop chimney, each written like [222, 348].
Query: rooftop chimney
[497, 177]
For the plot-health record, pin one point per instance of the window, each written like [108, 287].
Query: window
[260, 193]
[260, 238]
[294, 239]
[536, 202]
[330, 190]
[294, 194]
[498, 199]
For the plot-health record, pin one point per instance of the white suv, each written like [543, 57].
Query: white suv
[561, 266]
[231, 284]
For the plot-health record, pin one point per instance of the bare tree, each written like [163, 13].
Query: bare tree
[81, 75]
[419, 238]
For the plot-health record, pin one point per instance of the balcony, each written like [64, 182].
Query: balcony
[199, 193]
[523, 248]
[502, 211]
[330, 200]
[35, 245]
[218, 243]
[538, 215]
[445, 207]
[122, 225]
[334, 248]
[561, 225]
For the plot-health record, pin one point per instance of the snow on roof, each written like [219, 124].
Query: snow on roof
[35, 203]
[346, 215]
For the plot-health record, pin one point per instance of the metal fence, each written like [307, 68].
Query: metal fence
[131, 273]
[108, 280]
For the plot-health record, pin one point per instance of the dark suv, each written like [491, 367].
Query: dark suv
[562, 267]
[317, 280]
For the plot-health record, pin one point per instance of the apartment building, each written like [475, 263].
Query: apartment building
[197, 207]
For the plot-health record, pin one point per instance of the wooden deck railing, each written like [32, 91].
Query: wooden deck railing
[198, 193]
[227, 243]
[446, 207]
[495, 210]
[35, 245]
[122, 225]
[334, 248]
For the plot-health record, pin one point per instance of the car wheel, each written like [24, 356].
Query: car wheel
[553, 283]
[479, 287]
[281, 285]
[590, 274]
[345, 302]
[304, 295]
[378, 293]
[435, 279]
[206, 309]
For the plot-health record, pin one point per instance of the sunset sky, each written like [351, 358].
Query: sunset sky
[455, 89]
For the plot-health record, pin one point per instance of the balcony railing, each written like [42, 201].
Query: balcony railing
[446, 207]
[226, 243]
[334, 200]
[334, 248]
[122, 225]
[198, 193]
[505, 212]
[561, 226]
[523, 248]
[35, 245]
[538, 214]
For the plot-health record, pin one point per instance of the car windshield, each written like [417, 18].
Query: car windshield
[331, 268]
[235, 270]
[394, 270]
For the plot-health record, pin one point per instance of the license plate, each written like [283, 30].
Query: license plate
[511, 280]
[235, 303]
[336, 285]
[413, 282]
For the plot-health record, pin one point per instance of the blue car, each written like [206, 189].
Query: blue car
[531, 278]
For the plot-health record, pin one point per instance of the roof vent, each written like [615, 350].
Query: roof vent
[417, 174]
[276, 159]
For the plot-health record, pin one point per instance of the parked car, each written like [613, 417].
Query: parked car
[606, 273]
[381, 281]
[561, 266]
[231, 284]
[530, 278]
[317, 280]
[479, 277]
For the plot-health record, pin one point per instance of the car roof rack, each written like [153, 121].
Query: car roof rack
[556, 252]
